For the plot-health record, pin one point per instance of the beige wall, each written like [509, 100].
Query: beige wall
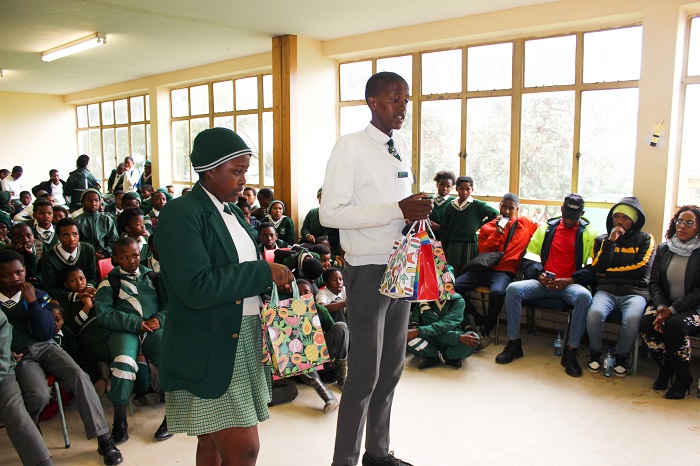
[37, 132]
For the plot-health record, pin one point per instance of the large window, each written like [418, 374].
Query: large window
[689, 169]
[112, 130]
[243, 105]
[540, 117]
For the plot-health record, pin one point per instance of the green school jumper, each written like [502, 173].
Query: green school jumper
[53, 264]
[459, 229]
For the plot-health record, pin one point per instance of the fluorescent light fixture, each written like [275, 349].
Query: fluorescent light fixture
[93, 40]
[2, 73]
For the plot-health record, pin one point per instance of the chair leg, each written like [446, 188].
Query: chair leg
[62, 414]
[530, 313]
[498, 328]
[635, 356]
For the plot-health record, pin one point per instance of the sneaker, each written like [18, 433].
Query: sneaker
[570, 362]
[594, 362]
[513, 350]
[389, 460]
[620, 367]
[424, 363]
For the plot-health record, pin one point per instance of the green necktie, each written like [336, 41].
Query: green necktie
[392, 150]
[227, 209]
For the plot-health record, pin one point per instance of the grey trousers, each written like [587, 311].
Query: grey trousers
[47, 358]
[23, 433]
[378, 327]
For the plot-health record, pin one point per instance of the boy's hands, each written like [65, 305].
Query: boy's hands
[281, 275]
[416, 207]
[28, 292]
[152, 324]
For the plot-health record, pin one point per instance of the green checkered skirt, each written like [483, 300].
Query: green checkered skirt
[245, 402]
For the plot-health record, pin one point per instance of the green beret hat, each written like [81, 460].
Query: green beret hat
[148, 163]
[90, 190]
[5, 197]
[216, 146]
[168, 197]
[5, 218]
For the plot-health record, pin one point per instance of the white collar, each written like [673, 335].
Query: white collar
[41, 230]
[16, 298]
[137, 274]
[463, 206]
[65, 255]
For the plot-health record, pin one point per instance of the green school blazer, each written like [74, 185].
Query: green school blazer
[205, 285]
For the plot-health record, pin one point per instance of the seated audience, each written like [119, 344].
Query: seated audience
[115, 180]
[622, 260]
[54, 186]
[131, 223]
[312, 228]
[553, 267]
[23, 244]
[5, 225]
[158, 200]
[114, 208]
[251, 196]
[283, 224]
[675, 300]
[43, 230]
[59, 212]
[512, 240]
[332, 297]
[96, 228]
[267, 238]
[254, 223]
[12, 184]
[265, 197]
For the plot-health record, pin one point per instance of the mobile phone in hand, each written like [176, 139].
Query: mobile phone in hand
[503, 222]
[550, 275]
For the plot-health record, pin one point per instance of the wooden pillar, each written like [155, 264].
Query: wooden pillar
[284, 75]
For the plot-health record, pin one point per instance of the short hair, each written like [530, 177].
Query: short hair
[250, 188]
[186, 190]
[123, 242]
[264, 225]
[130, 196]
[511, 197]
[18, 226]
[52, 171]
[60, 209]
[121, 164]
[5, 170]
[155, 193]
[320, 249]
[169, 186]
[322, 238]
[10, 255]
[118, 192]
[125, 217]
[129, 158]
[327, 273]
[147, 187]
[17, 169]
[464, 179]
[445, 175]
[56, 306]
[42, 203]
[82, 161]
[266, 193]
[243, 203]
[670, 233]
[302, 281]
[70, 269]
[22, 193]
[66, 222]
[378, 81]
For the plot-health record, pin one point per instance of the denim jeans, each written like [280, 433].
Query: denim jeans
[496, 281]
[632, 309]
[574, 295]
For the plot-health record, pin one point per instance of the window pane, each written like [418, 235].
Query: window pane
[148, 108]
[540, 213]
[122, 144]
[121, 111]
[95, 153]
[181, 150]
[109, 149]
[199, 100]
[108, 113]
[81, 112]
[83, 141]
[247, 93]
[689, 177]
[608, 142]
[138, 145]
[353, 78]
[224, 122]
[440, 140]
[488, 144]
[137, 109]
[148, 141]
[402, 66]
[546, 145]
[353, 119]
[406, 130]
[442, 72]
[197, 125]
[694, 49]
[94, 114]
[179, 100]
[247, 128]
[614, 55]
[550, 62]
[223, 96]
[490, 67]
[267, 91]
[268, 146]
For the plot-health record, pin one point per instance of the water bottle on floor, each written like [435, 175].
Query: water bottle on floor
[608, 363]
[558, 343]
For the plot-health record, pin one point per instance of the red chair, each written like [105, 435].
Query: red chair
[103, 268]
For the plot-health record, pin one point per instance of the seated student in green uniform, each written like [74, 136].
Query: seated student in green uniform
[245, 207]
[5, 225]
[133, 315]
[95, 227]
[436, 336]
[158, 200]
[69, 251]
[63, 337]
[44, 233]
[31, 316]
[283, 224]
[59, 212]
[332, 297]
[23, 243]
[131, 223]
[133, 201]
[267, 238]
[145, 192]
[23, 433]
[91, 338]
[115, 208]
[312, 228]
[265, 197]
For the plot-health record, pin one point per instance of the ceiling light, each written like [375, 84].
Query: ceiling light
[93, 40]
[2, 73]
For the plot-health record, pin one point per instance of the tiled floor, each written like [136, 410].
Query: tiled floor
[526, 413]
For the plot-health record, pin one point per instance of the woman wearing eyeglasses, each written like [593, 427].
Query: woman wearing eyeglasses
[674, 314]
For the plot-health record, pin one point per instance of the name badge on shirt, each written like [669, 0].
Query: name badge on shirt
[403, 174]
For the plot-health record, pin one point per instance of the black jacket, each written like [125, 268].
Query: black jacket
[46, 186]
[659, 281]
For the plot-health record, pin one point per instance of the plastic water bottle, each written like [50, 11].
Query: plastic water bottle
[608, 363]
[558, 343]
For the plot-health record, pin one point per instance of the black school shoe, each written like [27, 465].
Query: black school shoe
[513, 350]
[570, 363]
[162, 432]
[120, 431]
[109, 451]
[389, 460]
